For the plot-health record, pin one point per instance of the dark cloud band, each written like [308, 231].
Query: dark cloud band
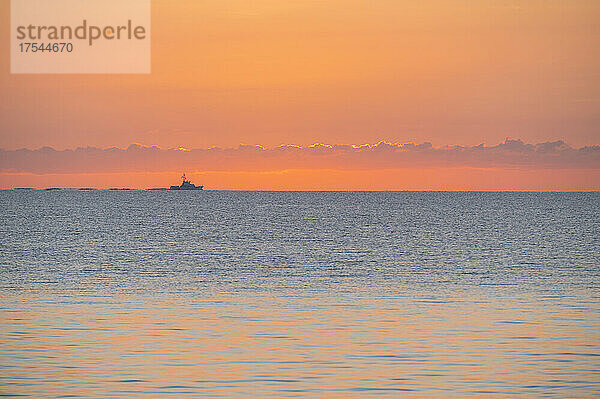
[509, 154]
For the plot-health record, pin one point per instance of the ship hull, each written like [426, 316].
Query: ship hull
[179, 188]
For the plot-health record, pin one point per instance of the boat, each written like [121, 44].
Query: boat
[186, 185]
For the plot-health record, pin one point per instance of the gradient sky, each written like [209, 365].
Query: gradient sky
[270, 72]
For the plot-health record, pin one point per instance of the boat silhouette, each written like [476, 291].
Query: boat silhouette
[186, 185]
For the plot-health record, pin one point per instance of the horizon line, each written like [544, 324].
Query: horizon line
[50, 189]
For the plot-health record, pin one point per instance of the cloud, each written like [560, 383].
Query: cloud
[383, 155]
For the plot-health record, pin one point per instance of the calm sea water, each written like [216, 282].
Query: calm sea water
[299, 294]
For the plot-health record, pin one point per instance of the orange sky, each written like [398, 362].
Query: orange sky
[272, 72]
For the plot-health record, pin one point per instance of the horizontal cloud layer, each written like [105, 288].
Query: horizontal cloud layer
[509, 154]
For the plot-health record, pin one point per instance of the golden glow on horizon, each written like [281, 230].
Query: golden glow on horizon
[429, 179]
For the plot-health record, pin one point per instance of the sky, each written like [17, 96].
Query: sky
[235, 73]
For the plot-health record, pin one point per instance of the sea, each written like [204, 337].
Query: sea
[112, 294]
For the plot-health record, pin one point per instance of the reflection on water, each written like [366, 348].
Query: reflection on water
[112, 294]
